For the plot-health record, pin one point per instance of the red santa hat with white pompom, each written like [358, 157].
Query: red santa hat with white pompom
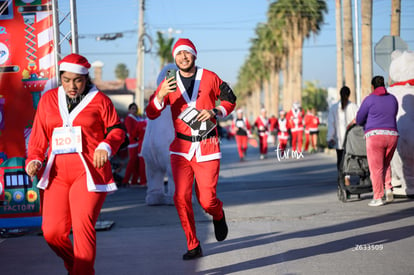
[74, 63]
[184, 44]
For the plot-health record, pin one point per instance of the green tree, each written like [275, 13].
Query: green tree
[301, 18]
[121, 71]
[164, 51]
[314, 97]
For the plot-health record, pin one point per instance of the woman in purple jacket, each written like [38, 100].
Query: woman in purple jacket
[378, 116]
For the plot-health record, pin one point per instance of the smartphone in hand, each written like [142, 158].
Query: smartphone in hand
[172, 73]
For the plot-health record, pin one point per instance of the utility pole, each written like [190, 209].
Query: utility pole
[139, 89]
[70, 36]
[74, 26]
[358, 74]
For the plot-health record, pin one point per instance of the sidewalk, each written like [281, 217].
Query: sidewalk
[283, 216]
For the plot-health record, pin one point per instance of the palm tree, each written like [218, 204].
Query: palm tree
[164, 49]
[301, 19]
[349, 62]
[121, 71]
[366, 49]
[395, 17]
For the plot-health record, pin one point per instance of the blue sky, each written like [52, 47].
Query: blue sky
[220, 29]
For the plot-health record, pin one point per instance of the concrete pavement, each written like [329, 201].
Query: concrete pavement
[283, 216]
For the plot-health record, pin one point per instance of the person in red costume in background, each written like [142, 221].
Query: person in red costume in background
[262, 125]
[135, 126]
[241, 128]
[295, 121]
[282, 132]
[311, 130]
[142, 125]
[193, 155]
[273, 128]
[79, 129]
[131, 124]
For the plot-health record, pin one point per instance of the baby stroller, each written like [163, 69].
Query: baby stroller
[355, 164]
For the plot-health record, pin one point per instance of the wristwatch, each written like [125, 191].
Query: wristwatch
[215, 111]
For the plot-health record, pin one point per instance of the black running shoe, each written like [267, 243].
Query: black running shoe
[220, 229]
[193, 253]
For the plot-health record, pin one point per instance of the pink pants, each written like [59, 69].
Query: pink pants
[241, 145]
[68, 204]
[380, 150]
[297, 137]
[206, 175]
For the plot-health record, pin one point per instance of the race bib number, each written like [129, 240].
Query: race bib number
[239, 124]
[67, 140]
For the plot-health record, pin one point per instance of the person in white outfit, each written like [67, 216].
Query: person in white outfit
[156, 153]
[402, 87]
[341, 114]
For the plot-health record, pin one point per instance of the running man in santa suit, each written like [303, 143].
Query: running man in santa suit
[241, 128]
[78, 128]
[191, 155]
[262, 125]
[295, 121]
[282, 132]
[311, 130]
[273, 128]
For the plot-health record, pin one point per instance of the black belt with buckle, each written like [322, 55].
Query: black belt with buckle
[196, 138]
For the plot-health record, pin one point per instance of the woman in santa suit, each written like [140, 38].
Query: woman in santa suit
[241, 128]
[132, 126]
[262, 125]
[79, 129]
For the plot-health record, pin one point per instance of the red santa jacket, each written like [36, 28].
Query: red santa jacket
[272, 124]
[241, 127]
[295, 120]
[131, 124]
[311, 123]
[208, 88]
[262, 125]
[96, 115]
[282, 128]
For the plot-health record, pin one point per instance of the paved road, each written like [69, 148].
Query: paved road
[284, 218]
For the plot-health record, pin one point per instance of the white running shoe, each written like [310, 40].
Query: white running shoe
[389, 195]
[377, 202]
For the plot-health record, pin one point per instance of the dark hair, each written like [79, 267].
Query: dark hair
[377, 81]
[132, 105]
[345, 92]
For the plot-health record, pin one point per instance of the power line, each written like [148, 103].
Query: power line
[220, 50]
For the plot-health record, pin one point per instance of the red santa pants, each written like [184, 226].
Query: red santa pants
[241, 145]
[68, 204]
[142, 174]
[263, 144]
[297, 137]
[206, 175]
[132, 167]
[282, 143]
